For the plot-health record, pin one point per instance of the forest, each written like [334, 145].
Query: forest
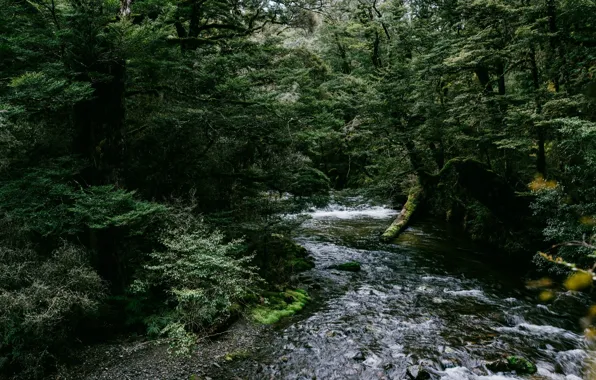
[150, 150]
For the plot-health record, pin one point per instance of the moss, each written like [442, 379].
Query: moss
[401, 222]
[521, 365]
[280, 305]
[351, 266]
[237, 355]
[301, 264]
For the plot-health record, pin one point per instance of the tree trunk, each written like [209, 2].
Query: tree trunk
[376, 58]
[345, 65]
[540, 132]
[484, 79]
[99, 124]
[438, 154]
[405, 216]
[501, 74]
[551, 10]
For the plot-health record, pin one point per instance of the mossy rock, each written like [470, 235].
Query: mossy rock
[521, 365]
[518, 364]
[300, 264]
[295, 257]
[280, 305]
[237, 355]
[352, 266]
[286, 247]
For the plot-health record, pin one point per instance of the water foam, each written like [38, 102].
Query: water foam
[335, 211]
[540, 330]
[466, 293]
[462, 373]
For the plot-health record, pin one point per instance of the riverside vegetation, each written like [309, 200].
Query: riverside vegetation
[149, 150]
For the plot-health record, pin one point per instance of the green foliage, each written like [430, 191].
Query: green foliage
[310, 181]
[44, 303]
[39, 200]
[105, 115]
[40, 93]
[49, 201]
[568, 206]
[102, 207]
[200, 275]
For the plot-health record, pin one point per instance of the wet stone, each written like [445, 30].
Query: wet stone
[418, 373]
[500, 365]
[518, 364]
[448, 363]
[412, 372]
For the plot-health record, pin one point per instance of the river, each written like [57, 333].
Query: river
[427, 300]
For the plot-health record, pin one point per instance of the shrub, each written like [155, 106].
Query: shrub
[201, 275]
[43, 302]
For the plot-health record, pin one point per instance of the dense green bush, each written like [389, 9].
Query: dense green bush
[201, 276]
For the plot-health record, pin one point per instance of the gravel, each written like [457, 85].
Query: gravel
[150, 361]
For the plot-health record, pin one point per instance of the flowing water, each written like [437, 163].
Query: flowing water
[426, 300]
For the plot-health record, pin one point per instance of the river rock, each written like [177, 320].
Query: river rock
[522, 365]
[359, 356]
[351, 266]
[517, 364]
[500, 365]
[448, 363]
[416, 372]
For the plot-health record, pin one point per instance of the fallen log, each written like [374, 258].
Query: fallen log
[404, 217]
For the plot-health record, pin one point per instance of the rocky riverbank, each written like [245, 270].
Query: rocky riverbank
[223, 356]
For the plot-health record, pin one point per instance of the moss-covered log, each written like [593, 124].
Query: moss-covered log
[404, 217]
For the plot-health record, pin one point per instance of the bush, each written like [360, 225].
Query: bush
[201, 276]
[43, 303]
